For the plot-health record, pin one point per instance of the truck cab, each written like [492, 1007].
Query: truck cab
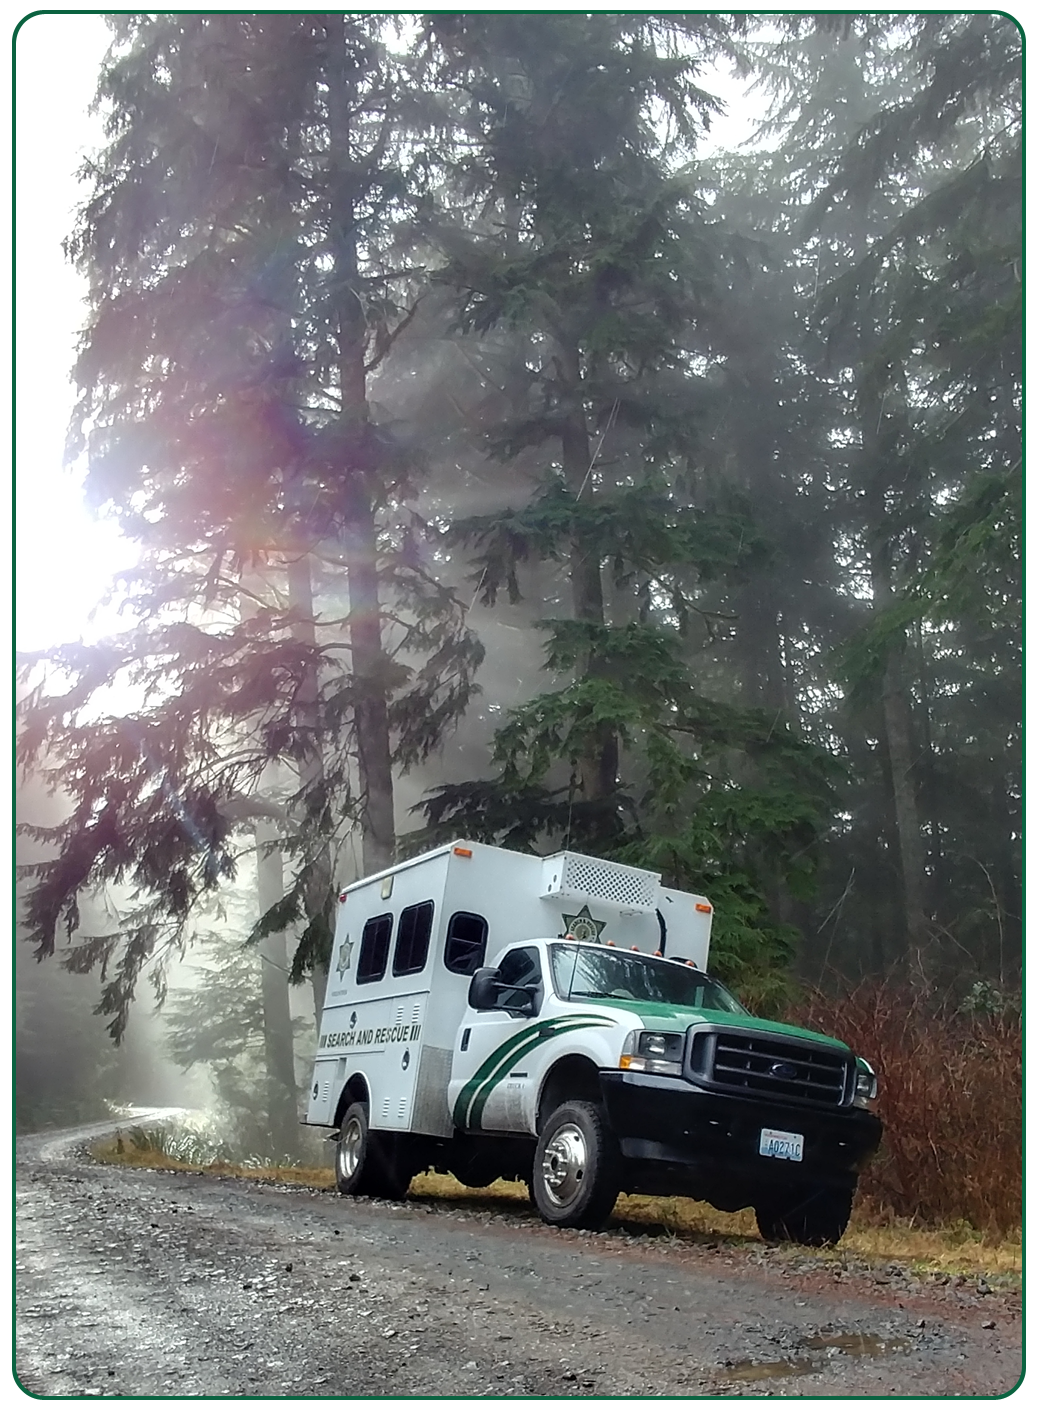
[588, 1056]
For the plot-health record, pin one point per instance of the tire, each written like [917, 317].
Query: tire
[364, 1161]
[809, 1218]
[577, 1167]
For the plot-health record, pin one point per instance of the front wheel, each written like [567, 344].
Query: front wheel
[577, 1167]
[364, 1162]
[809, 1218]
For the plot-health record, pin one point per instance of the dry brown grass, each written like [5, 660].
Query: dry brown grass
[956, 1250]
[116, 1152]
[951, 1099]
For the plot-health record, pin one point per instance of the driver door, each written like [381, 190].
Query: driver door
[490, 1072]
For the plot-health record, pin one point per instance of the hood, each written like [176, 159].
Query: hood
[652, 1014]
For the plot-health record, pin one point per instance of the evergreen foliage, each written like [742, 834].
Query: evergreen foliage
[211, 1024]
[730, 443]
[239, 243]
[603, 258]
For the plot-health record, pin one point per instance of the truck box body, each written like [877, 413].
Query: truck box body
[372, 1025]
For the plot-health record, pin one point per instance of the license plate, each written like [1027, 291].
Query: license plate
[787, 1146]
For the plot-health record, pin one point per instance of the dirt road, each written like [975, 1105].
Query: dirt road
[144, 1284]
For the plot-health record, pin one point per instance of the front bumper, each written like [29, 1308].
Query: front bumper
[678, 1139]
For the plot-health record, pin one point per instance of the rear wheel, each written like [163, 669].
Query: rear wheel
[352, 1151]
[809, 1218]
[366, 1163]
[577, 1167]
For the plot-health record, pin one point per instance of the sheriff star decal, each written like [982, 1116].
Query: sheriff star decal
[583, 926]
[343, 959]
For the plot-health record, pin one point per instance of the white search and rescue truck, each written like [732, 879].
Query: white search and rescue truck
[495, 1014]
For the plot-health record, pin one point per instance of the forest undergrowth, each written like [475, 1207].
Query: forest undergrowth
[950, 1096]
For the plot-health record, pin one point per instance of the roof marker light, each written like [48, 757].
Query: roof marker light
[700, 906]
[463, 852]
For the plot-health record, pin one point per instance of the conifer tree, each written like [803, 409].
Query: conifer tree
[597, 250]
[898, 177]
[239, 242]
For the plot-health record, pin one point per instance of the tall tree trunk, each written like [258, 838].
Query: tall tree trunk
[310, 770]
[319, 984]
[898, 732]
[760, 598]
[317, 899]
[371, 720]
[760, 647]
[371, 717]
[930, 790]
[598, 765]
[279, 1059]
[895, 699]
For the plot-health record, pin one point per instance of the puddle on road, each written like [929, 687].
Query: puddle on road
[750, 1372]
[854, 1345]
[858, 1345]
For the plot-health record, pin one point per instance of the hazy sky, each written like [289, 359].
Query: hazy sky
[64, 557]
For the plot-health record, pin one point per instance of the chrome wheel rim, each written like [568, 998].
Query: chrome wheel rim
[348, 1150]
[563, 1164]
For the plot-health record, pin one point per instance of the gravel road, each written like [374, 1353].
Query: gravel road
[144, 1284]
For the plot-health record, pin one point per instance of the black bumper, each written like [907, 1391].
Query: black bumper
[681, 1140]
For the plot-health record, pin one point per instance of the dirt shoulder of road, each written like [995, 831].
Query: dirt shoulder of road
[959, 1258]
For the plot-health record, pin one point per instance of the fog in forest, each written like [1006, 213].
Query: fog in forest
[508, 456]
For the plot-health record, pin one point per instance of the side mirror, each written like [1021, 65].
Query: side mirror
[484, 989]
[531, 1002]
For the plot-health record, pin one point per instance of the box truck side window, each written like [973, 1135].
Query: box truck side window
[466, 943]
[375, 947]
[413, 939]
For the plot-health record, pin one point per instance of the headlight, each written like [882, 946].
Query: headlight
[866, 1085]
[650, 1052]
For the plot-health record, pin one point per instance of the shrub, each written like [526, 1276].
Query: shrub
[950, 1080]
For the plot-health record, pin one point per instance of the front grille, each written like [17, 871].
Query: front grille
[768, 1066]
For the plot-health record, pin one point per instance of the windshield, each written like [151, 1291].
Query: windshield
[594, 973]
